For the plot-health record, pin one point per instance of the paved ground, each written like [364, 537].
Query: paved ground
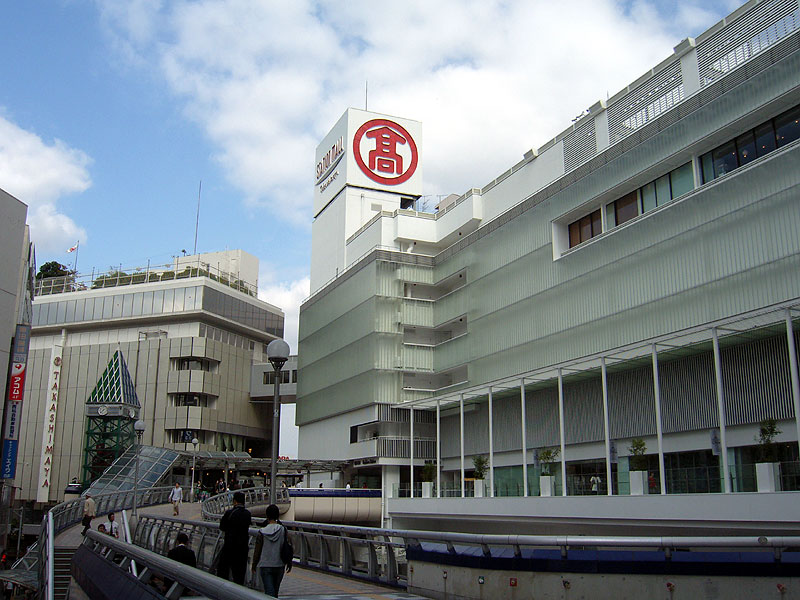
[300, 583]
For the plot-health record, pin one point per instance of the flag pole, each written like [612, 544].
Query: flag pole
[77, 247]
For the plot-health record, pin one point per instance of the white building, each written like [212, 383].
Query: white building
[635, 278]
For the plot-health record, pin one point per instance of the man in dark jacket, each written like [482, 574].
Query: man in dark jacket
[235, 524]
[182, 554]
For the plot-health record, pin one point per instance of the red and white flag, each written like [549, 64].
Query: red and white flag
[75, 247]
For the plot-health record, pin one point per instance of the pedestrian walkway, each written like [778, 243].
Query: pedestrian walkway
[299, 583]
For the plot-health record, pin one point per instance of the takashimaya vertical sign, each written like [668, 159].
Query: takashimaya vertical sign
[16, 391]
[49, 424]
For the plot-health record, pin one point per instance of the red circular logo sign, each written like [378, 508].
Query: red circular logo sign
[390, 151]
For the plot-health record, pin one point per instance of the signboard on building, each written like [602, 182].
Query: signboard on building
[49, 425]
[16, 391]
[368, 150]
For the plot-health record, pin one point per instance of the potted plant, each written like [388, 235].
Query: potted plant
[427, 475]
[547, 456]
[480, 463]
[767, 457]
[637, 461]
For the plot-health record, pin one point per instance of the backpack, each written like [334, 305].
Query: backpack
[287, 551]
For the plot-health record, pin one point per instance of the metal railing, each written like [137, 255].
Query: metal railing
[350, 551]
[120, 555]
[119, 277]
[214, 507]
[69, 513]
[379, 555]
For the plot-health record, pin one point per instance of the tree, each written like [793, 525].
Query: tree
[52, 269]
[481, 463]
[767, 448]
[428, 472]
[547, 456]
[638, 460]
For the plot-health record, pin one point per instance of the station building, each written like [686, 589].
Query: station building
[635, 278]
[173, 345]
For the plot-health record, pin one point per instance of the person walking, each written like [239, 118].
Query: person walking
[267, 553]
[176, 497]
[235, 524]
[595, 481]
[89, 513]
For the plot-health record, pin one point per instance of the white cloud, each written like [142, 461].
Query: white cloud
[39, 174]
[488, 79]
[286, 295]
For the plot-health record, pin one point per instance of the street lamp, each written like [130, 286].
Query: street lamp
[139, 428]
[277, 354]
[195, 441]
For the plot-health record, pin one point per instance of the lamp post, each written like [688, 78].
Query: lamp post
[277, 354]
[139, 428]
[195, 441]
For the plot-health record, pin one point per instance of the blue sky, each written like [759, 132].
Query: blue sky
[112, 112]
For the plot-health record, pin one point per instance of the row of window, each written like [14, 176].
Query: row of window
[226, 337]
[196, 364]
[761, 140]
[269, 377]
[174, 300]
[202, 400]
[133, 304]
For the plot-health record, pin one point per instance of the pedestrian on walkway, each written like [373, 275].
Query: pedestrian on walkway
[267, 553]
[182, 554]
[89, 512]
[235, 524]
[176, 497]
[112, 527]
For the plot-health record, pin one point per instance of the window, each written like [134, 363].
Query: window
[269, 377]
[787, 127]
[682, 180]
[758, 142]
[294, 375]
[626, 208]
[585, 228]
[724, 159]
[285, 375]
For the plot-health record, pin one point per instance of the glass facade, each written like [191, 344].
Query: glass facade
[133, 304]
[157, 302]
[658, 192]
[242, 312]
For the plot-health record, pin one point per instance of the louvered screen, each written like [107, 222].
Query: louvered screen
[646, 102]
[580, 145]
[762, 26]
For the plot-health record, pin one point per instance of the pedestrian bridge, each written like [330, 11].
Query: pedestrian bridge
[364, 562]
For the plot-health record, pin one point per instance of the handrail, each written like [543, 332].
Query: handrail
[185, 577]
[214, 507]
[379, 554]
[66, 514]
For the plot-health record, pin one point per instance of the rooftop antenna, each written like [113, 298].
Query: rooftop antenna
[366, 93]
[197, 220]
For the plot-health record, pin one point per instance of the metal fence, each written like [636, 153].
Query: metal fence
[379, 555]
[214, 507]
[67, 514]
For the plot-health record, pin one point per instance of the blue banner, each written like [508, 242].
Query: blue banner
[8, 465]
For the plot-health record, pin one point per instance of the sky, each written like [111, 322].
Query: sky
[112, 112]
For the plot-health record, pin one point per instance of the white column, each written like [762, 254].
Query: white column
[524, 439]
[438, 449]
[605, 425]
[491, 446]
[659, 432]
[561, 432]
[461, 429]
[411, 453]
[793, 370]
[721, 411]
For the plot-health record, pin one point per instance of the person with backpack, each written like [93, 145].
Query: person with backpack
[273, 552]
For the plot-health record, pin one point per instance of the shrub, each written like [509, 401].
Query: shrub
[638, 450]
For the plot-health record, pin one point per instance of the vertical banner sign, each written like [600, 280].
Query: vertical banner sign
[16, 390]
[49, 425]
